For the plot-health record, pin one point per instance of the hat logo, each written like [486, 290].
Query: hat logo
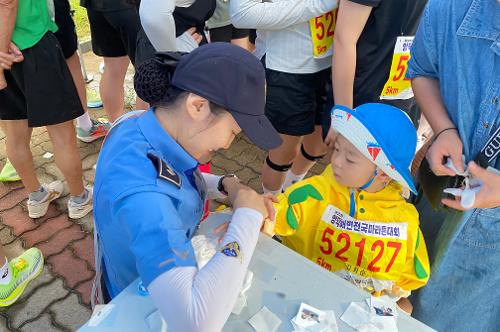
[348, 117]
[373, 150]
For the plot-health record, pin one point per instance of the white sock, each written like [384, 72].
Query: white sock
[274, 192]
[5, 273]
[84, 122]
[291, 178]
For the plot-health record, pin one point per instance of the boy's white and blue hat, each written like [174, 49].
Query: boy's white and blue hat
[383, 133]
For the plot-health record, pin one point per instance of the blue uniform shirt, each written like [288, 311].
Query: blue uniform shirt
[146, 203]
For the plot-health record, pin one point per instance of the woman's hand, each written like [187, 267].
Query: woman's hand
[448, 144]
[489, 195]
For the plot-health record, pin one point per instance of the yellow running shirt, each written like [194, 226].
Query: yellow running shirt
[379, 247]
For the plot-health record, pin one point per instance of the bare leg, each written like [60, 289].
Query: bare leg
[314, 146]
[3, 257]
[283, 155]
[75, 69]
[66, 154]
[17, 143]
[111, 86]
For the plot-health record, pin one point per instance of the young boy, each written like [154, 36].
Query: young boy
[353, 219]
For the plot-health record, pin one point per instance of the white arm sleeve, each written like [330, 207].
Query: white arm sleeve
[158, 23]
[254, 14]
[201, 300]
[212, 182]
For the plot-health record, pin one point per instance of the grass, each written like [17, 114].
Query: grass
[81, 20]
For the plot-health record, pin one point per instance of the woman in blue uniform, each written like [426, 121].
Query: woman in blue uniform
[149, 195]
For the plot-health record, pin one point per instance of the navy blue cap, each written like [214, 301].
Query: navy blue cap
[234, 79]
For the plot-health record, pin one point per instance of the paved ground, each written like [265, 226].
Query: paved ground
[59, 299]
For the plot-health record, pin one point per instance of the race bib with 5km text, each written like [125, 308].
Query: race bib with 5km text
[369, 249]
[322, 31]
[397, 86]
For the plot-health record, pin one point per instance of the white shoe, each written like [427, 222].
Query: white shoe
[77, 211]
[37, 209]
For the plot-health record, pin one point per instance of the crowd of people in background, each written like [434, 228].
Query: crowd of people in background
[410, 71]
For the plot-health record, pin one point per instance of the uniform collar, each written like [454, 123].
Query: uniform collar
[162, 142]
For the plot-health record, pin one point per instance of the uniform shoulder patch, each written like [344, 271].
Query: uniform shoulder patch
[165, 172]
[232, 249]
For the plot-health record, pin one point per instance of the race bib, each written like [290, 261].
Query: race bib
[322, 29]
[397, 86]
[368, 249]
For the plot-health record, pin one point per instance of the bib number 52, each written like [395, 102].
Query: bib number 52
[327, 19]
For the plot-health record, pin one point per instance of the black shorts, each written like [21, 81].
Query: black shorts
[66, 35]
[295, 103]
[114, 33]
[227, 33]
[40, 89]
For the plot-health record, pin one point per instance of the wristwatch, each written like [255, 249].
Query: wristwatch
[220, 186]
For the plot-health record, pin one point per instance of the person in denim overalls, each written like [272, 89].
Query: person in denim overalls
[455, 72]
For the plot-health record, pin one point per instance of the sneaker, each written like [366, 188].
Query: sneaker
[37, 209]
[100, 128]
[80, 210]
[93, 99]
[9, 173]
[24, 268]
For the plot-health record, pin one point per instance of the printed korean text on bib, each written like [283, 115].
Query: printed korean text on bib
[322, 30]
[361, 251]
[397, 86]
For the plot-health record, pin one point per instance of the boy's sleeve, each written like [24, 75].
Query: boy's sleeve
[417, 269]
[292, 208]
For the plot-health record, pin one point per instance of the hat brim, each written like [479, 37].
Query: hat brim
[259, 130]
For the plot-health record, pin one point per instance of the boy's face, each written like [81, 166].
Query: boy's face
[350, 167]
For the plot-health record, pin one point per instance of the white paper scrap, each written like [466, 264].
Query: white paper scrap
[311, 319]
[265, 321]
[357, 315]
[360, 317]
[383, 306]
[308, 317]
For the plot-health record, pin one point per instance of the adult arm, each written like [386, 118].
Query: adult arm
[351, 21]
[158, 23]
[201, 300]
[255, 14]
[8, 13]
[448, 143]
[189, 299]
[423, 70]
[352, 18]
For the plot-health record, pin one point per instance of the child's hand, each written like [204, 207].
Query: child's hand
[270, 222]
